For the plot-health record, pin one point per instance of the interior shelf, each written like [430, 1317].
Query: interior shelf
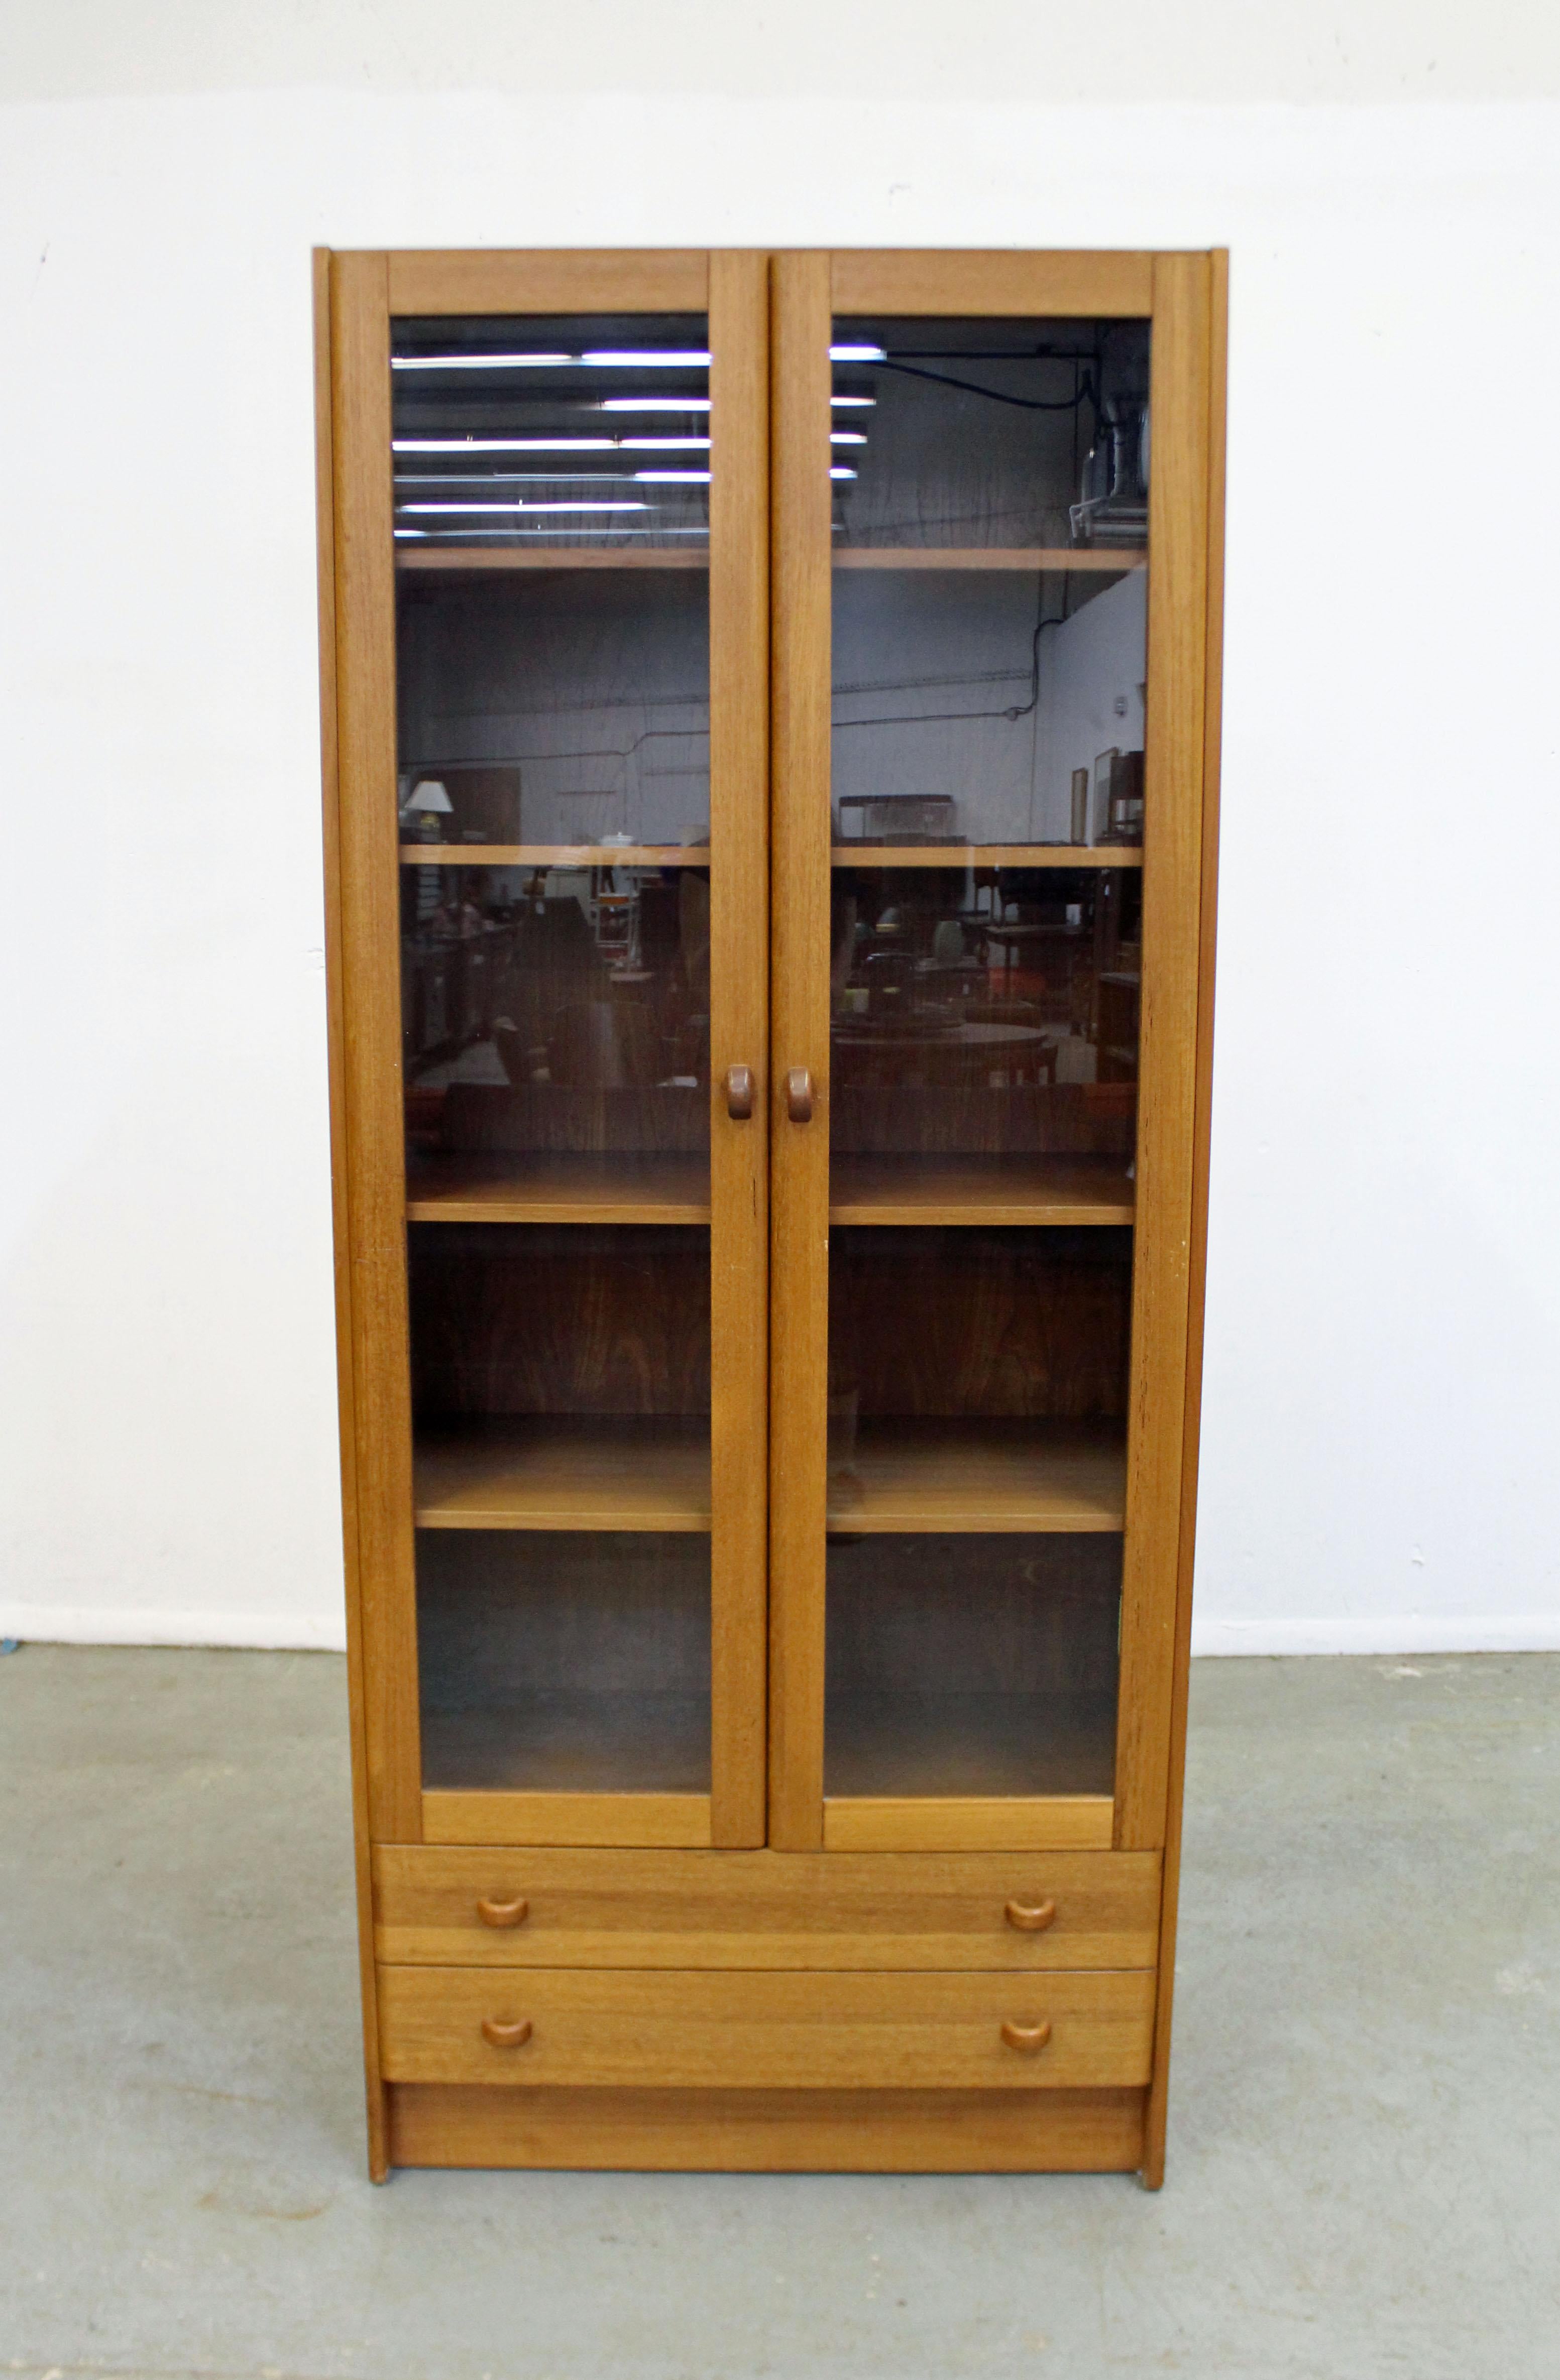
[563, 1741]
[548, 1187]
[915, 1745]
[957, 1189]
[551, 557]
[555, 855]
[924, 1476]
[990, 557]
[613, 1471]
[987, 854]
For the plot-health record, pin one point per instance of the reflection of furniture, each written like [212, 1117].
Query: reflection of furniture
[713, 1810]
[1119, 998]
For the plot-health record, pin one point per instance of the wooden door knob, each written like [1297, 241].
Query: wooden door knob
[1028, 2038]
[504, 1912]
[799, 1095]
[506, 2036]
[1031, 1916]
[740, 1093]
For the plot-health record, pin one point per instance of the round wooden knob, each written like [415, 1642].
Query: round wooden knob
[506, 2036]
[505, 1912]
[1031, 1916]
[740, 1093]
[799, 1095]
[1029, 2037]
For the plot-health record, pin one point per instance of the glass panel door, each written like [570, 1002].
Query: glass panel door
[975, 1056]
[576, 509]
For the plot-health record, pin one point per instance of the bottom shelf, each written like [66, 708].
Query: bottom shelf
[949, 1745]
[569, 1741]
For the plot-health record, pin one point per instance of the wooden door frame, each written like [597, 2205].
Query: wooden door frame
[357, 295]
[1181, 294]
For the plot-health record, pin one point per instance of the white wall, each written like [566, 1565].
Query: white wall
[1380, 1417]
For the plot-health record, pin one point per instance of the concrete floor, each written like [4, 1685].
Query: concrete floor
[1365, 2129]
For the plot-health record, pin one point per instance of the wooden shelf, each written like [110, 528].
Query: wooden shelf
[927, 1190]
[915, 1476]
[555, 855]
[586, 1472]
[551, 558]
[986, 854]
[899, 1746]
[990, 557]
[521, 1187]
[566, 1741]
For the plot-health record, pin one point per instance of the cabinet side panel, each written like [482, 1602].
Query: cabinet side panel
[369, 980]
[738, 1036]
[1154, 2112]
[800, 1038]
[340, 1165]
[1172, 883]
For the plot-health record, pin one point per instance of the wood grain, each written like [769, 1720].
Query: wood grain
[561, 1186]
[370, 948]
[613, 1819]
[378, 2140]
[992, 281]
[580, 1472]
[548, 281]
[799, 1231]
[972, 1823]
[973, 1190]
[768, 2131]
[1063, 558]
[1167, 1093]
[738, 1036]
[1157, 2104]
[553, 855]
[608, 2029]
[765, 1909]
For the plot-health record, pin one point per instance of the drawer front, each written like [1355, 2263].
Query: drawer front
[1015, 1910]
[938, 2032]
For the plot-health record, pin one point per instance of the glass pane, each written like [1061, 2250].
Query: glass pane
[990, 665]
[552, 527]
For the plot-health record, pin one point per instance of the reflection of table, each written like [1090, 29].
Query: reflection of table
[953, 1055]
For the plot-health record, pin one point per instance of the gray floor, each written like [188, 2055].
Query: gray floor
[1365, 2135]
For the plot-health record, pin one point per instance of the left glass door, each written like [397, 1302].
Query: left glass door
[550, 575]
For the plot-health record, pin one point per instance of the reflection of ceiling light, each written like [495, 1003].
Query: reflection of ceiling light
[683, 479]
[854, 355]
[852, 400]
[846, 438]
[502, 445]
[655, 405]
[595, 479]
[663, 445]
[616, 505]
[673, 359]
[839, 471]
[478, 363]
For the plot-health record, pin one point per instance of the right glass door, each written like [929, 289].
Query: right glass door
[976, 1052]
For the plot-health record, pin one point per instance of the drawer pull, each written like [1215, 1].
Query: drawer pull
[740, 1093]
[506, 2036]
[1031, 1916]
[1028, 2038]
[799, 1095]
[504, 1912]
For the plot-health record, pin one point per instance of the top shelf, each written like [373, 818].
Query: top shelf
[555, 855]
[987, 854]
[442, 558]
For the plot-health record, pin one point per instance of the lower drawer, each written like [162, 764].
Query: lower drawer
[444, 1905]
[933, 2032]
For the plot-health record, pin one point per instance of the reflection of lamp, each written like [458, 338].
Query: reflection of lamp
[429, 803]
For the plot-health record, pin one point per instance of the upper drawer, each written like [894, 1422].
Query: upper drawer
[765, 1909]
[928, 2032]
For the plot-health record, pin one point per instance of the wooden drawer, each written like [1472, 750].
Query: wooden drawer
[766, 1909]
[937, 2031]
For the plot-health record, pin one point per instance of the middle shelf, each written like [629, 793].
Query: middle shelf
[620, 1472]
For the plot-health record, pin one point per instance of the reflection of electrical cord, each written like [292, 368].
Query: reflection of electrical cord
[1011, 711]
[1083, 394]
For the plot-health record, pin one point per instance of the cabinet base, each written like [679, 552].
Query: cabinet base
[768, 2132]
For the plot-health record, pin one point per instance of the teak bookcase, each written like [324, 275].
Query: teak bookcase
[771, 756]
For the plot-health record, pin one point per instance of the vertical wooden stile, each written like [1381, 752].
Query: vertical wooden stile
[1167, 1066]
[1158, 2097]
[340, 1171]
[800, 1226]
[738, 313]
[365, 680]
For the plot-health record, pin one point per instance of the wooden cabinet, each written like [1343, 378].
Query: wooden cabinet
[770, 716]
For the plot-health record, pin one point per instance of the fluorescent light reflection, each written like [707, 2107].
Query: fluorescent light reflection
[617, 504]
[854, 355]
[847, 438]
[677, 479]
[596, 359]
[655, 405]
[839, 471]
[852, 400]
[547, 445]
[479, 363]
[651, 359]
